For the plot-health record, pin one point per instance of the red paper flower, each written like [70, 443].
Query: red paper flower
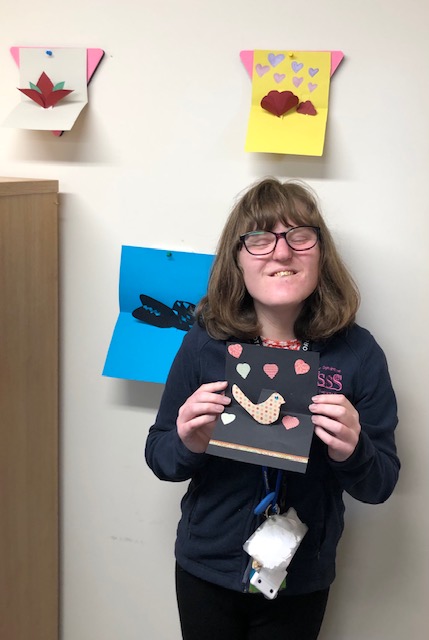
[45, 93]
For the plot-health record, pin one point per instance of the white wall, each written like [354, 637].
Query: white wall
[155, 160]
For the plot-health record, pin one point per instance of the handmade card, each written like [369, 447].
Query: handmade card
[93, 59]
[290, 97]
[158, 291]
[53, 88]
[268, 421]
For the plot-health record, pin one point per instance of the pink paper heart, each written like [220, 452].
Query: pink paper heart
[278, 77]
[297, 81]
[260, 70]
[235, 350]
[301, 367]
[312, 86]
[289, 422]
[271, 370]
[279, 102]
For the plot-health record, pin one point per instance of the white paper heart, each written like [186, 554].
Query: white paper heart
[243, 369]
[227, 418]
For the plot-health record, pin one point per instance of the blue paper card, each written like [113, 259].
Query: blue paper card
[160, 287]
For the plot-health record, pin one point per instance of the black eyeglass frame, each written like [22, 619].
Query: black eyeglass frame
[281, 234]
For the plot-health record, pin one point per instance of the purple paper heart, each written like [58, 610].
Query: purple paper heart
[278, 77]
[275, 60]
[297, 66]
[297, 81]
[313, 72]
[260, 70]
[312, 86]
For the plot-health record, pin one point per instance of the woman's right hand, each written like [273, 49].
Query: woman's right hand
[198, 416]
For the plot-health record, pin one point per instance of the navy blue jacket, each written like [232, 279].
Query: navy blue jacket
[217, 509]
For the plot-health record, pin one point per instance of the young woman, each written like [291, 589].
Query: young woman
[277, 279]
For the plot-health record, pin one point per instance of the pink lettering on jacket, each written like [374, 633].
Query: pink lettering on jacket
[330, 379]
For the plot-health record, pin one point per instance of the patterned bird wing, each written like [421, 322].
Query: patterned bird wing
[265, 412]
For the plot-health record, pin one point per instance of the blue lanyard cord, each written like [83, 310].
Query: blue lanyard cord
[271, 498]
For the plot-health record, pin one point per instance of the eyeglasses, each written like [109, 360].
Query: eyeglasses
[261, 243]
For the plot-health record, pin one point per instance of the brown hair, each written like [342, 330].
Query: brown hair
[227, 310]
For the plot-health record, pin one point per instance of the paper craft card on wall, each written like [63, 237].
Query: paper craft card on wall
[268, 421]
[290, 99]
[53, 84]
[158, 290]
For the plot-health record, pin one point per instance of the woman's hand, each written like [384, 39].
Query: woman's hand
[198, 416]
[336, 423]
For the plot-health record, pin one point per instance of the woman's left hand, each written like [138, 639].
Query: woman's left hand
[336, 423]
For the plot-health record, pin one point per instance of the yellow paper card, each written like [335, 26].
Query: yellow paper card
[307, 75]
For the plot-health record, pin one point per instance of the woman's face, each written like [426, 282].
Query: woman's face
[281, 281]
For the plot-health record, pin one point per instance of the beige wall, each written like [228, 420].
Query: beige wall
[155, 160]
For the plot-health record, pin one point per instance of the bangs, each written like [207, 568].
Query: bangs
[289, 212]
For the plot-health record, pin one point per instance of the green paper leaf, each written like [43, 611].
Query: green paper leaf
[58, 86]
[35, 87]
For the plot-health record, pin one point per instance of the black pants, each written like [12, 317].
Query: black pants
[209, 612]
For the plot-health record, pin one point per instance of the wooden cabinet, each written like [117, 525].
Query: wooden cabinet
[28, 409]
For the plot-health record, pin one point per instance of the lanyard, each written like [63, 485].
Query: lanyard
[271, 498]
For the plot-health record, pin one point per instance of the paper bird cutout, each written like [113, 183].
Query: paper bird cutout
[266, 412]
[158, 314]
[45, 93]
[279, 102]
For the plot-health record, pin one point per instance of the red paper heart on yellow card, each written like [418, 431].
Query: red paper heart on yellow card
[307, 108]
[279, 102]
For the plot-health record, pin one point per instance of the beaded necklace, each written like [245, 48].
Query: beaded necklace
[293, 345]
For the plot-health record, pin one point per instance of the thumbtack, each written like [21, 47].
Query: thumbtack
[48, 52]
[290, 54]
[169, 254]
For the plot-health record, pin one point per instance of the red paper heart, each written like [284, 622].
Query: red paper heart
[279, 102]
[301, 367]
[289, 422]
[235, 350]
[307, 108]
